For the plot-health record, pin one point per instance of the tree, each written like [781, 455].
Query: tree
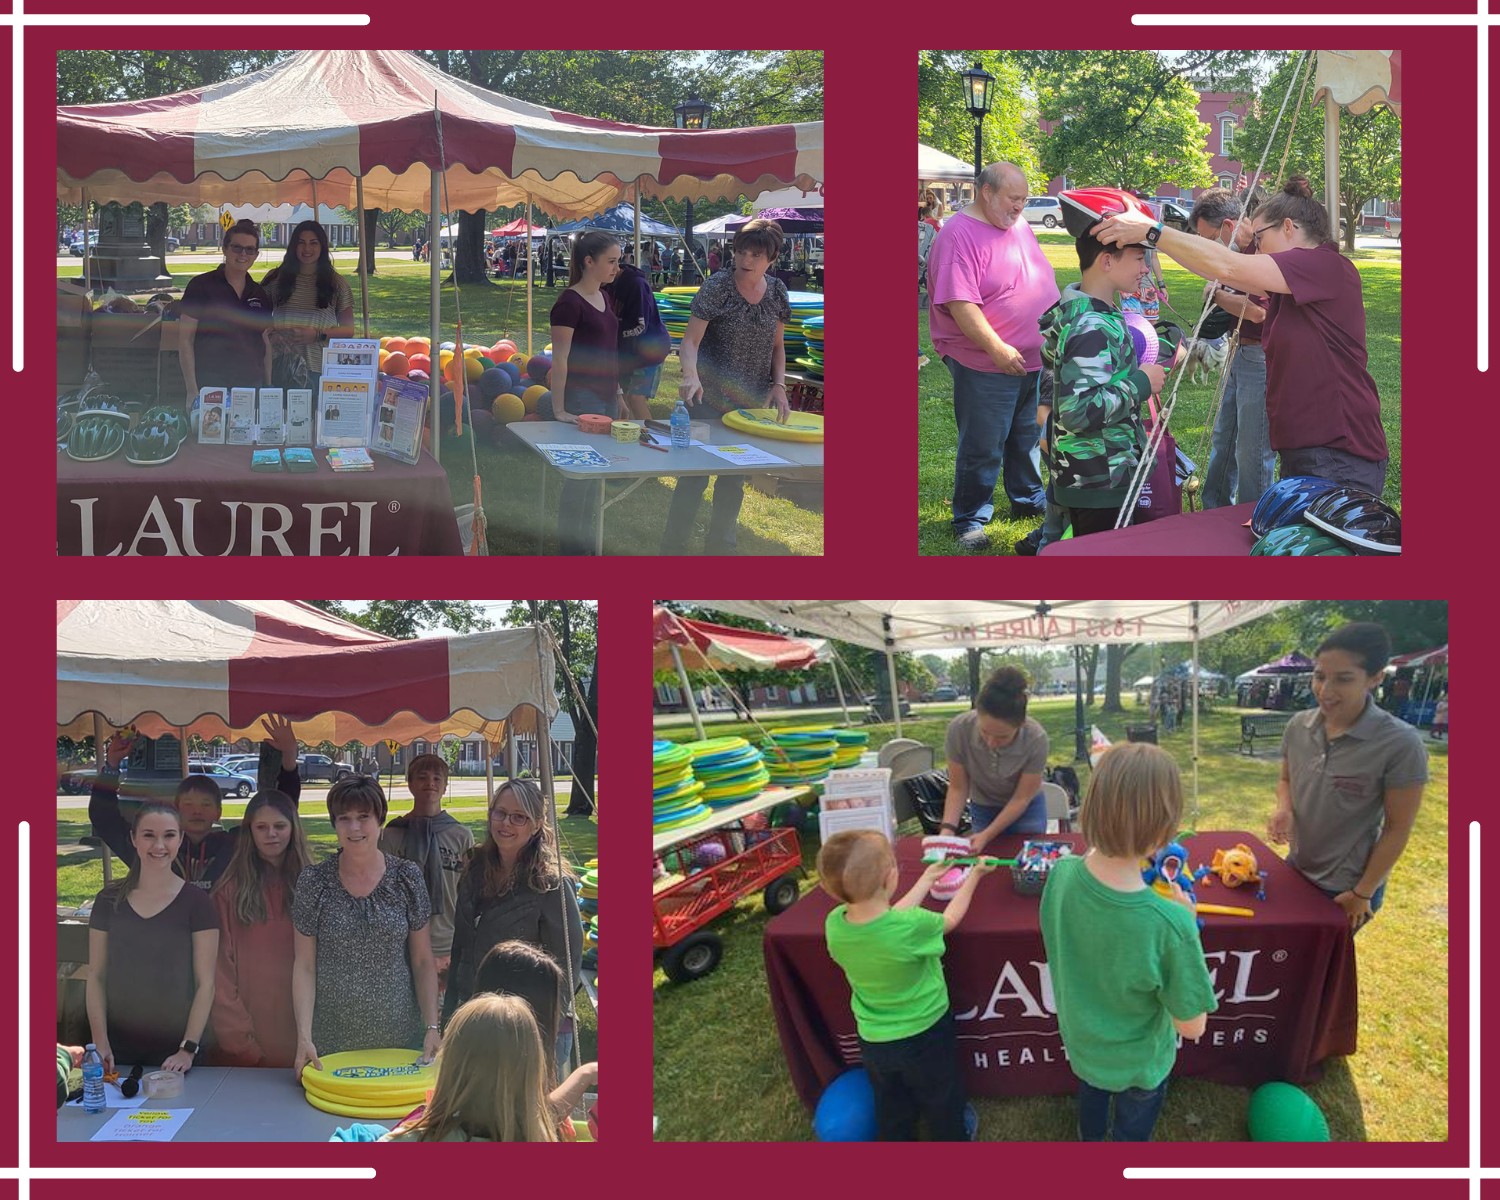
[576, 626]
[1009, 132]
[1369, 145]
[1114, 661]
[1123, 118]
[406, 618]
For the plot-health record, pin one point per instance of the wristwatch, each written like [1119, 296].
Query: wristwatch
[1153, 234]
[949, 826]
[190, 1046]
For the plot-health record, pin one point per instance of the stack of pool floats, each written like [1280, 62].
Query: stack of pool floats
[588, 908]
[800, 755]
[812, 361]
[675, 793]
[730, 769]
[372, 1085]
[805, 307]
[675, 306]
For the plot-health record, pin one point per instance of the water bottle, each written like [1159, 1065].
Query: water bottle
[682, 426]
[93, 1080]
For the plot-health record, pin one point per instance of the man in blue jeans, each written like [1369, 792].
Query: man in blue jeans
[988, 282]
[1241, 463]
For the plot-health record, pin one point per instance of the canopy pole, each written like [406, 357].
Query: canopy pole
[182, 745]
[1330, 160]
[838, 683]
[687, 690]
[637, 224]
[529, 274]
[88, 283]
[489, 774]
[511, 766]
[890, 667]
[434, 302]
[364, 270]
[549, 797]
[1195, 713]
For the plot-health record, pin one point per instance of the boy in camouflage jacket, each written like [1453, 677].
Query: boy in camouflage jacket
[1095, 435]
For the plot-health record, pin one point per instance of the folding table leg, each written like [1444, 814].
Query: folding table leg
[599, 527]
[541, 512]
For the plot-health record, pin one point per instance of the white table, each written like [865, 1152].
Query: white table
[720, 817]
[230, 1104]
[631, 460]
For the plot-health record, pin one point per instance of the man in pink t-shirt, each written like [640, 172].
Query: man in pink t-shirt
[989, 282]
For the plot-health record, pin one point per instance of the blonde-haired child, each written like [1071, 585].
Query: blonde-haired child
[891, 953]
[1126, 962]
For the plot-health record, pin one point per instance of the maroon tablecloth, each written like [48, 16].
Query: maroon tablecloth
[1212, 531]
[207, 501]
[1285, 979]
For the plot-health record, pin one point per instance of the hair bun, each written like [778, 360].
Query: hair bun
[1298, 185]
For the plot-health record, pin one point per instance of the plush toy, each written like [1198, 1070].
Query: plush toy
[1235, 866]
[1167, 866]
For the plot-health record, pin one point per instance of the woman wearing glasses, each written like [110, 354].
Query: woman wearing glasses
[515, 888]
[1322, 404]
[225, 320]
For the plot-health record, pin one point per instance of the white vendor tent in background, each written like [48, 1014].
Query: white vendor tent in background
[934, 166]
[917, 625]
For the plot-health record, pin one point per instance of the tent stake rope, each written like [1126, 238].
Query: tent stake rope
[1153, 442]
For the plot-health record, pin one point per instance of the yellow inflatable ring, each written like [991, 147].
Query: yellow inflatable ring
[762, 422]
[350, 1110]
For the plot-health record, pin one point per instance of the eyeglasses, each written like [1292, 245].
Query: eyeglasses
[1255, 237]
[244, 251]
[514, 818]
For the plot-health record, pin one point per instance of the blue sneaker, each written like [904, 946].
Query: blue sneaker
[971, 1122]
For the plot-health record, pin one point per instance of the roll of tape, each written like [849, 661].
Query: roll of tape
[163, 1085]
[594, 423]
[626, 431]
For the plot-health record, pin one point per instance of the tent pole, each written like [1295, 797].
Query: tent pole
[88, 283]
[687, 690]
[638, 224]
[182, 744]
[364, 271]
[434, 301]
[510, 751]
[104, 851]
[489, 774]
[1330, 160]
[890, 665]
[838, 683]
[1195, 713]
[529, 274]
[549, 798]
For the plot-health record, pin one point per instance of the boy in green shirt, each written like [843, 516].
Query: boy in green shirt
[1126, 962]
[892, 955]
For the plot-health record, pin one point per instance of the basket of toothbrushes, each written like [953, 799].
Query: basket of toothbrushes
[1033, 864]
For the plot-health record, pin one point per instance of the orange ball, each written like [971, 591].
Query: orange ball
[503, 349]
[419, 362]
[425, 343]
[396, 363]
[384, 354]
[396, 345]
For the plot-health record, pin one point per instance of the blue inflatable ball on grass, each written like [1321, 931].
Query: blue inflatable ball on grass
[538, 366]
[494, 382]
[846, 1109]
[483, 421]
[1281, 1112]
[544, 407]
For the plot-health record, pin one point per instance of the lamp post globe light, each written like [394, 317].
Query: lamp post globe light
[979, 87]
[692, 113]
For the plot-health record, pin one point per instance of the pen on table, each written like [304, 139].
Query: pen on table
[653, 445]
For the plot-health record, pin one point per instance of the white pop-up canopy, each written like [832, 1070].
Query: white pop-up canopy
[917, 625]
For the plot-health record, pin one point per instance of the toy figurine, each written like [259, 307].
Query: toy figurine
[1235, 866]
[1167, 866]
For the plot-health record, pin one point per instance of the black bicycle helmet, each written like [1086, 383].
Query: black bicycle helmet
[1298, 541]
[1284, 502]
[1359, 519]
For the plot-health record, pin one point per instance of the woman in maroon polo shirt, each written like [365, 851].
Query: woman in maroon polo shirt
[1323, 407]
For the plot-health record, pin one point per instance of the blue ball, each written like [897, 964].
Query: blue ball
[544, 407]
[846, 1109]
[494, 382]
[514, 372]
[538, 366]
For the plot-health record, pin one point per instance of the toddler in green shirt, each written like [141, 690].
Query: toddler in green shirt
[892, 954]
[1127, 967]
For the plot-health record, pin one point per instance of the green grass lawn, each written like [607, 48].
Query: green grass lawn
[80, 881]
[510, 474]
[1380, 271]
[720, 1075]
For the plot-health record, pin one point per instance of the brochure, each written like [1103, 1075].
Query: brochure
[351, 358]
[745, 456]
[400, 416]
[211, 402]
[239, 420]
[350, 458]
[344, 411]
[572, 456]
[299, 429]
[265, 460]
[270, 418]
[299, 459]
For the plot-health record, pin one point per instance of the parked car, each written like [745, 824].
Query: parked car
[230, 783]
[1044, 210]
[945, 693]
[320, 766]
[76, 248]
[1175, 212]
[241, 764]
[80, 782]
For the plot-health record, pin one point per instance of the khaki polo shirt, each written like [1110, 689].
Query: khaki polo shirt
[1339, 787]
[993, 774]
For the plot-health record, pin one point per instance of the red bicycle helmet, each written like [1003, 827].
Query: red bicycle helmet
[1083, 208]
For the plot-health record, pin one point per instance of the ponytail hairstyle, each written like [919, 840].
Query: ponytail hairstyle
[1295, 201]
[1004, 695]
[589, 245]
[246, 876]
[132, 878]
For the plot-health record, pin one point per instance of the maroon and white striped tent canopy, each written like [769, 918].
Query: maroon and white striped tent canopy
[332, 116]
[216, 667]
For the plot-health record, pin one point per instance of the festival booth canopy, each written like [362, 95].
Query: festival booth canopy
[703, 644]
[1421, 658]
[957, 624]
[619, 219]
[216, 667]
[787, 197]
[322, 119]
[518, 228]
[791, 220]
[1294, 663]
[933, 166]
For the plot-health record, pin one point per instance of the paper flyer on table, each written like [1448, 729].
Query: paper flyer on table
[399, 418]
[144, 1125]
[746, 456]
[344, 411]
[572, 456]
[351, 358]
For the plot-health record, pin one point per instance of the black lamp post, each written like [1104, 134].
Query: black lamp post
[692, 113]
[979, 87]
[1080, 733]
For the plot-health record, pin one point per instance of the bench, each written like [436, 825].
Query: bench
[1260, 725]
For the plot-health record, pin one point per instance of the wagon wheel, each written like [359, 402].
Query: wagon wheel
[693, 957]
[781, 894]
